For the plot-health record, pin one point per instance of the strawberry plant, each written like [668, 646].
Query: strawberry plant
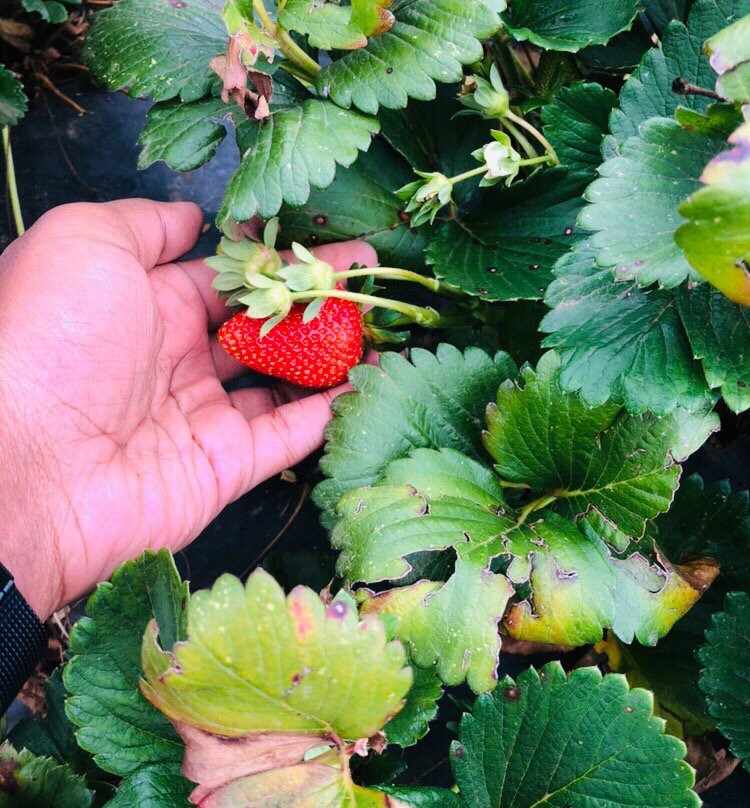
[559, 196]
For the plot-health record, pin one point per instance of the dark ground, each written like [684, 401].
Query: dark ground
[62, 157]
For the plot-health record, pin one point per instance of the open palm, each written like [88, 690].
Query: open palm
[112, 395]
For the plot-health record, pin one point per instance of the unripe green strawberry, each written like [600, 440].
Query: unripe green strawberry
[314, 354]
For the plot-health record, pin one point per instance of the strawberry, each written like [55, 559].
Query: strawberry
[315, 354]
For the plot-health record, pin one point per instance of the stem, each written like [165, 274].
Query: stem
[536, 134]
[682, 87]
[468, 174]
[10, 173]
[520, 137]
[533, 161]
[534, 505]
[418, 314]
[287, 45]
[390, 274]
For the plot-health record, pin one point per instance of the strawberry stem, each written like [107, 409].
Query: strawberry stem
[419, 314]
[510, 115]
[10, 172]
[286, 44]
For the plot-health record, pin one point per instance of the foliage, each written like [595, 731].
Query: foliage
[583, 161]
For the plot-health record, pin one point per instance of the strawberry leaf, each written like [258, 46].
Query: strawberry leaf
[648, 92]
[634, 205]
[159, 786]
[359, 204]
[563, 25]
[115, 722]
[429, 41]
[726, 678]
[434, 400]
[591, 476]
[184, 136]
[296, 148]
[716, 238]
[297, 687]
[580, 740]
[39, 782]
[619, 341]
[150, 47]
[412, 723]
[325, 25]
[13, 101]
[729, 56]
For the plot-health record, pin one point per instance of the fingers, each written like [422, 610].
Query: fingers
[153, 232]
[339, 256]
[288, 434]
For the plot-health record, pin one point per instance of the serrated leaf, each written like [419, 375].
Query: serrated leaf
[661, 12]
[726, 678]
[505, 248]
[568, 26]
[159, 786]
[40, 782]
[150, 47]
[13, 101]
[719, 332]
[580, 740]
[617, 341]
[433, 400]
[710, 521]
[716, 238]
[412, 723]
[633, 208]
[589, 472]
[359, 204]
[424, 797]
[648, 92]
[115, 722]
[183, 135]
[326, 25]
[429, 41]
[49, 10]
[296, 148]
[729, 56]
[575, 122]
[312, 674]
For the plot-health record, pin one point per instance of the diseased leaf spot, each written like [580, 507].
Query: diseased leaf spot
[338, 610]
[511, 694]
[320, 220]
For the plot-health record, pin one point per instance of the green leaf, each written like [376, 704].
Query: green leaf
[709, 521]
[359, 204]
[505, 249]
[661, 12]
[575, 122]
[618, 341]
[729, 56]
[587, 474]
[412, 723]
[563, 25]
[13, 101]
[183, 135]
[429, 41]
[623, 466]
[634, 205]
[433, 400]
[716, 238]
[311, 674]
[295, 148]
[648, 92]
[150, 47]
[39, 782]
[325, 25]
[115, 722]
[581, 740]
[49, 10]
[159, 786]
[424, 797]
[719, 332]
[726, 678]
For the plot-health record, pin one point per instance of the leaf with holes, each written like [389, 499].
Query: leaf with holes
[716, 238]
[726, 678]
[578, 740]
[429, 41]
[312, 677]
[633, 208]
[563, 25]
[150, 47]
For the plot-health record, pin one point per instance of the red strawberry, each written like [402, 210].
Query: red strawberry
[315, 354]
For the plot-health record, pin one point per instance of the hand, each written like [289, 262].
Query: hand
[116, 434]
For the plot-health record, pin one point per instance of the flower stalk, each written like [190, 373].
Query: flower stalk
[286, 44]
[10, 173]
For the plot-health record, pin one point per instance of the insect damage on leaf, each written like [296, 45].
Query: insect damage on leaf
[255, 715]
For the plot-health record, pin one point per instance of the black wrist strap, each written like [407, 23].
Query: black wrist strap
[23, 640]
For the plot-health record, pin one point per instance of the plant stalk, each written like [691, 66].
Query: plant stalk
[10, 173]
[287, 45]
[398, 274]
[535, 133]
[418, 314]
[520, 137]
